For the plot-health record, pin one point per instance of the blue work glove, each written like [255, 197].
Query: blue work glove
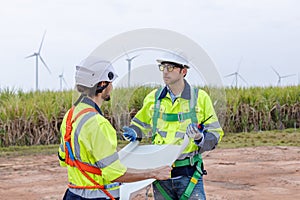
[195, 131]
[129, 134]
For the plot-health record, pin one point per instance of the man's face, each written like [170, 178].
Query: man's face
[171, 73]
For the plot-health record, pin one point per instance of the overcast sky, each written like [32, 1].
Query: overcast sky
[250, 35]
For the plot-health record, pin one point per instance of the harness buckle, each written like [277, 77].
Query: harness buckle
[180, 117]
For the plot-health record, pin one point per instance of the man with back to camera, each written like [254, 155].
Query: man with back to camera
[89, 144]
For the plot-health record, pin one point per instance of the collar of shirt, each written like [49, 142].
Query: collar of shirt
[172, 95]
[185, 94]
[90, 102]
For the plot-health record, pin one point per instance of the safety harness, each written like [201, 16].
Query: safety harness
[73, 162]
[171, 117]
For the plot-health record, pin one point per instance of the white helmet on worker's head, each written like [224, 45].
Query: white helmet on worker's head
[176, 57]
[93, 70]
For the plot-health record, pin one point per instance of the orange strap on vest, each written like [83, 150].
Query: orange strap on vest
[70, 159]
[67, 138]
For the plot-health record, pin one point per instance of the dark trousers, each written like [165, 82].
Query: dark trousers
[71, 196]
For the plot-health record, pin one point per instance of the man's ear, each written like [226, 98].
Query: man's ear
[184, 71]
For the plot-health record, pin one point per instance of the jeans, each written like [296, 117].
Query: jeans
[71, 196]
[176, 187]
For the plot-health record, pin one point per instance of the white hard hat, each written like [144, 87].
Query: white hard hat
[93, 70]
[176, 57]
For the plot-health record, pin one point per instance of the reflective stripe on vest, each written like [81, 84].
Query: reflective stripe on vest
[72, 161]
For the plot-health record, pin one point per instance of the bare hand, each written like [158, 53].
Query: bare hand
[162, 173]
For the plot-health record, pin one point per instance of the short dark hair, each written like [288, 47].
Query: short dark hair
[93, 91]
[90, 92]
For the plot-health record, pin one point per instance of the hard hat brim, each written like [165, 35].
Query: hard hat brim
[160, 61]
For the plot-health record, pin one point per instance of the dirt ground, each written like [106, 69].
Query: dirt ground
[245, 173]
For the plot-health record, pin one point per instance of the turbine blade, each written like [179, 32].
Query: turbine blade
[239, 65]
[44, 63]
[133, 57]
[275, 71]
[30, 56]
[42, 42]
[229, 75]
[242, 78]
[288, 75]
[64, 81]
[126, 53]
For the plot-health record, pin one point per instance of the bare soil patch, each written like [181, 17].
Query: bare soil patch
[244, 173]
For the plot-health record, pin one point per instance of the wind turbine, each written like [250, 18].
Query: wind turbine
[37, 57]
[129, 60]
[280, 77]
[237, 75]
[62, 80]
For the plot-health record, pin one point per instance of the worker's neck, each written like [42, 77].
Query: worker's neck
[98, 100]
[177, 87]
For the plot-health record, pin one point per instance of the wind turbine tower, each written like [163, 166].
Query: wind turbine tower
[236, 75]
[61, 81]
[129, 60]
[37, 57]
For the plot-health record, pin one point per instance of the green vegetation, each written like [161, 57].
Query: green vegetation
[13, 151]
[288, 137]
[34, 118]
[260, 109]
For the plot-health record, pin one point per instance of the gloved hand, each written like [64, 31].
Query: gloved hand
[129, 134]
[194, 132]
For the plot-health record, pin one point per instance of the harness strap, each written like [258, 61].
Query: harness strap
[73, 162]
[197, 174]
[171, 117]
[188, 161]
[189, 189]
[193, 181]
[156, 112]
[193, 102]
[162, 191]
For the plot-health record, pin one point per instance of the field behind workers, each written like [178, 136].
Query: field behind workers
[34, 118]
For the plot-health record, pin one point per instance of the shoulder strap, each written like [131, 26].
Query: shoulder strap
[156, 112]
[72, 161]
[193, 103]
